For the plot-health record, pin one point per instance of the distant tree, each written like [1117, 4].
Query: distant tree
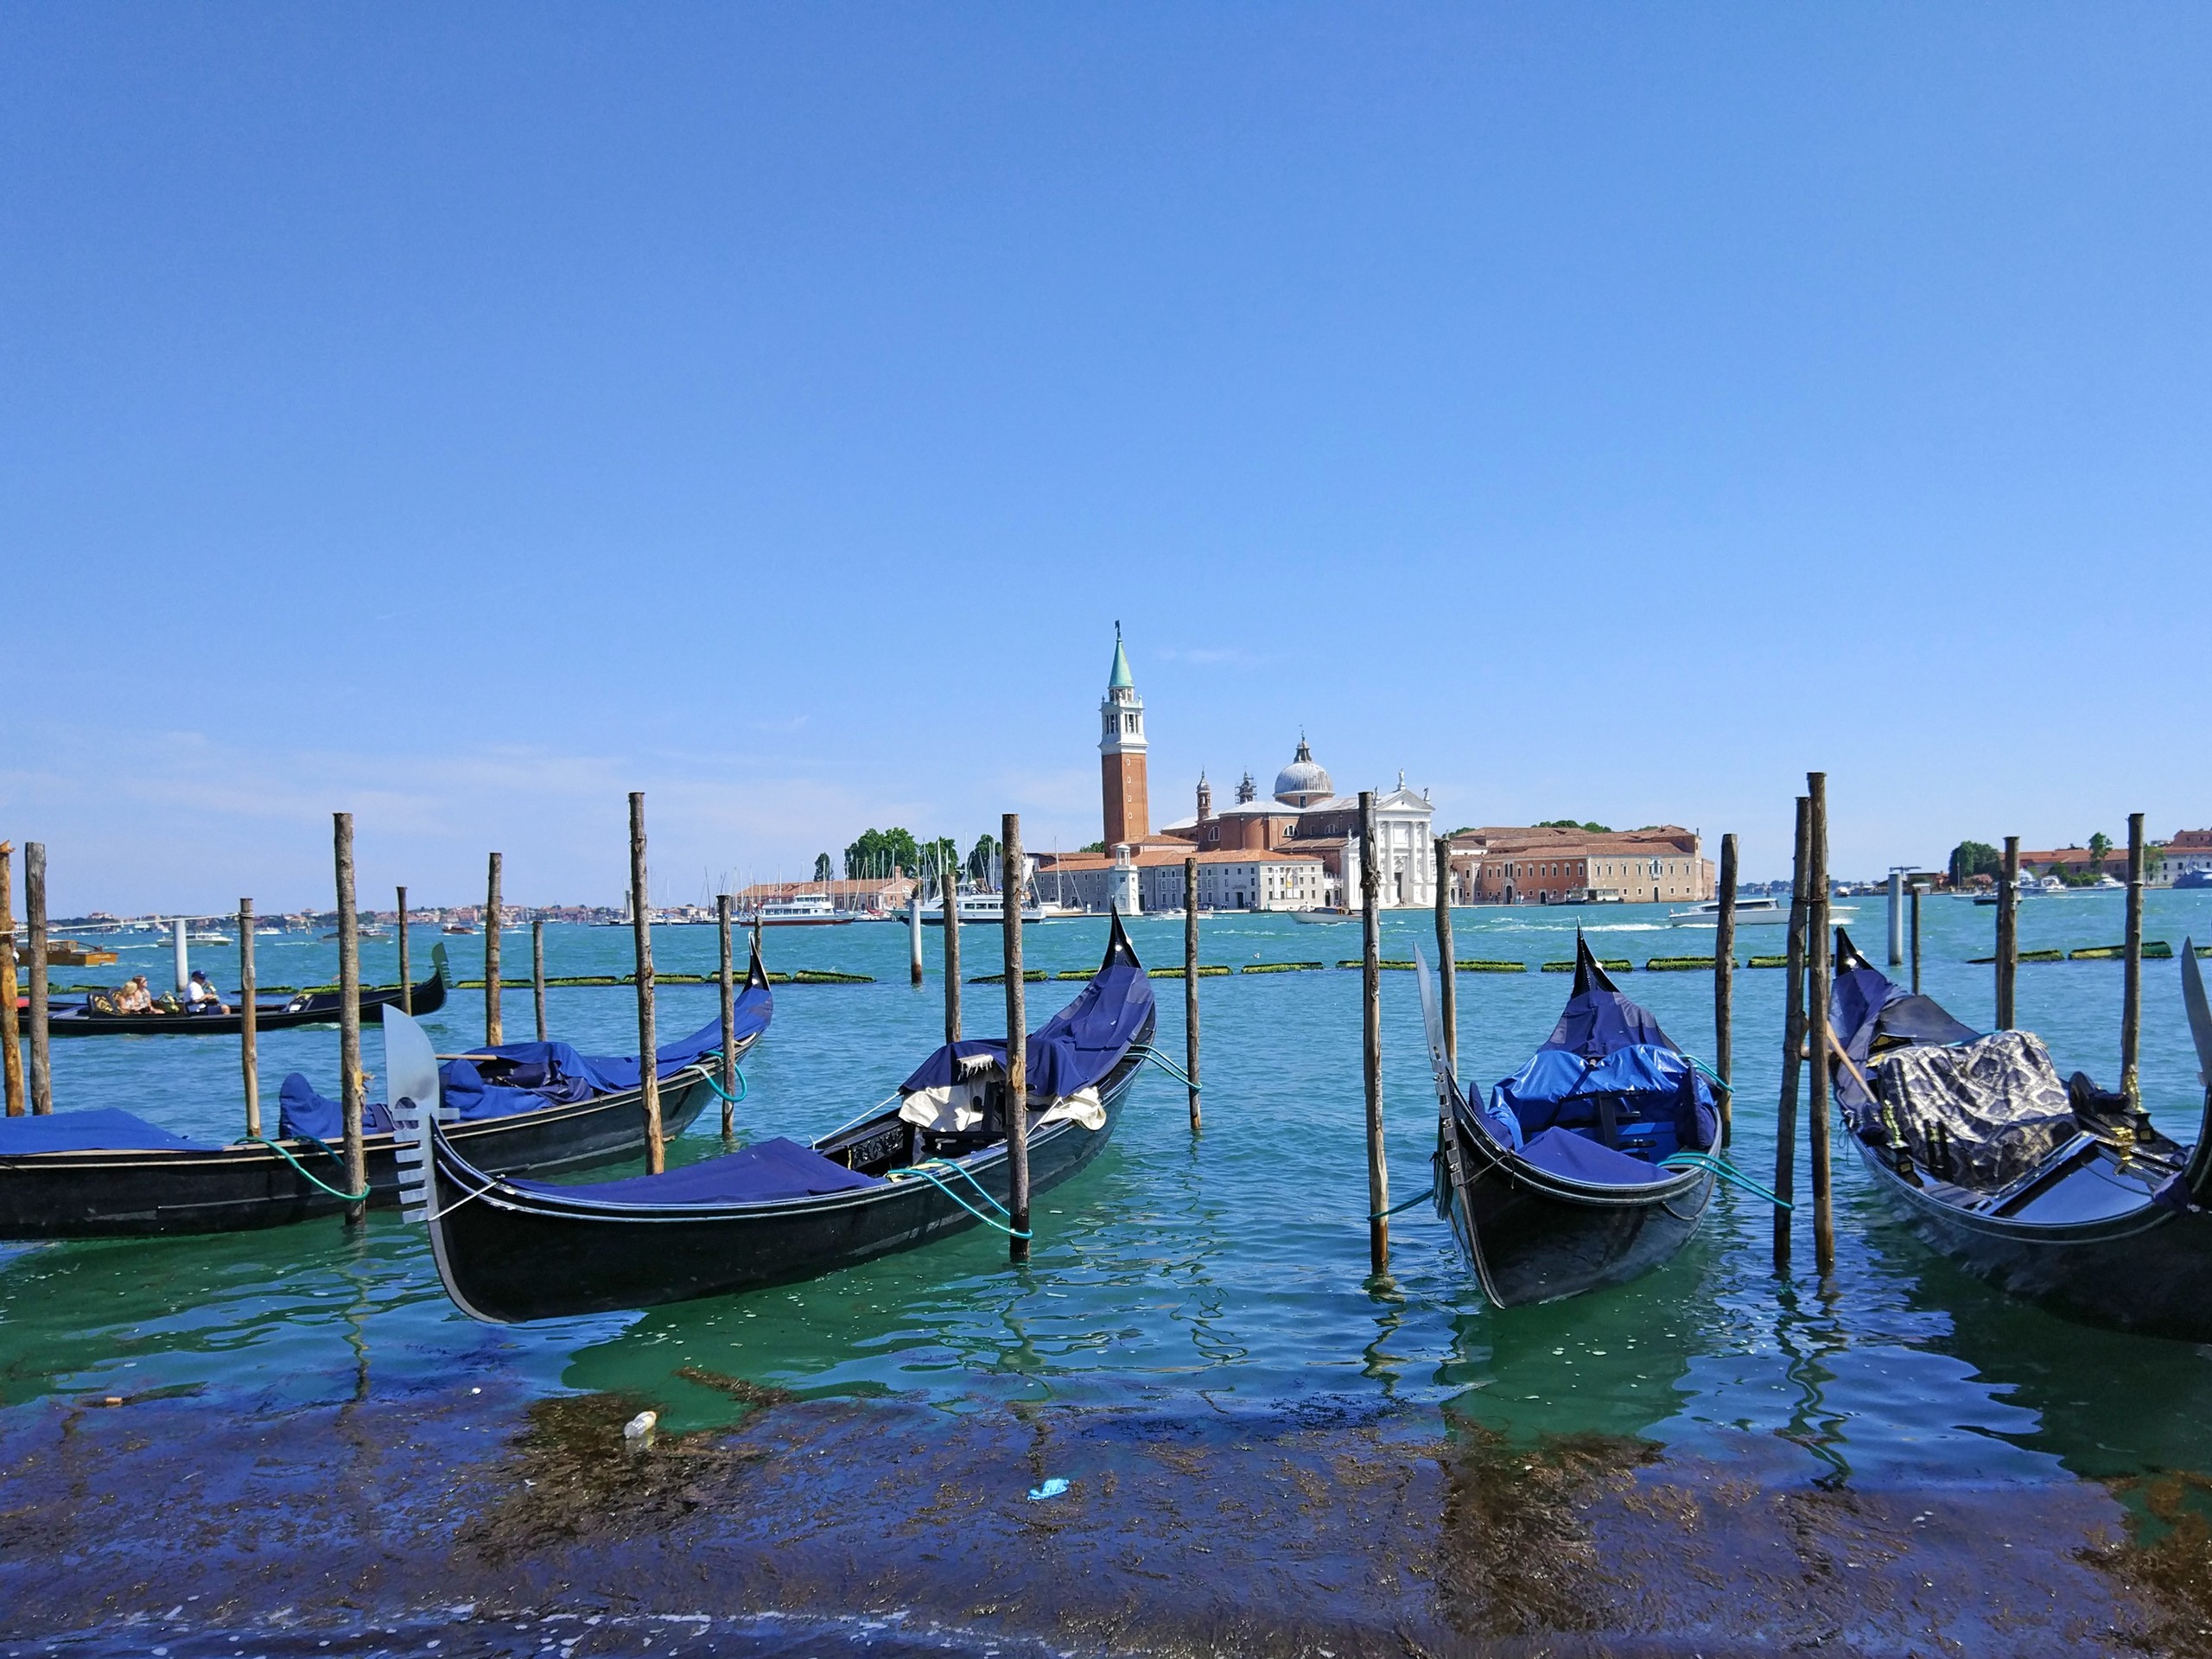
[1569, 823]
[984, 857]
[2100, 844]
[1093, 847]
[1973, 858]
[822, 869]
[878, 852]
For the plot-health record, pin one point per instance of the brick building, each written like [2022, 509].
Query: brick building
[1539, 865]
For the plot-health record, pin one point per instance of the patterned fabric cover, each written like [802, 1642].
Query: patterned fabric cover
[1999, 1098]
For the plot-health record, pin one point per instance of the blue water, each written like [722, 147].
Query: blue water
[1225, 1269]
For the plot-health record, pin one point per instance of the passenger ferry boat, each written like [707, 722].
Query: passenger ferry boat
[803, 910]
[978, 908]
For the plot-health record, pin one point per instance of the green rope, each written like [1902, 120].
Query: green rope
[1418, 1197]
[931, 1177]
[1145, 1052]
[1713, 1164]
[278, 1148]
[732, 1099]
[1711, 1076]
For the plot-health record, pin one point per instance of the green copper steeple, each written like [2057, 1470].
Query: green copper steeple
[1121, 679]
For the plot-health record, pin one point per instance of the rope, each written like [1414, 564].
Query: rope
[278, 1148]
[934, 1179]
[1711, 1076]
[1713, 1164]
[1145, 1052]
[1418, 1197]
[732, 1099]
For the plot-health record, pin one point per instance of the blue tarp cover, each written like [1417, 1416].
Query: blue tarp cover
[771, 1169]
[1073, 1050]
[544, 1074]
[1597, 1023]
[300, 1110]
[103, 1128]
[1562, 1152]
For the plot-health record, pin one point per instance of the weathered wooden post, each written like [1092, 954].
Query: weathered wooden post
[1723, 989]
[34, 920]
[948, 888]
[914, 931]
[1191, 984]
[2131, 1005]
[1448, 972]
[538, 972]
[1817, 1014]
[179, 950]
[406, 977]
[249, 1038]
[729, 1016]
[1793, 1040]
[11, 1043]
[642, 933]
[1917, 889]
[1896, 918]
[1017, 1048]
[2008, 933]
[350, 1089]
[1370, 1003]
[494, 1032]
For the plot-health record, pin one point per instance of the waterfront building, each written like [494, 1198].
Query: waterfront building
[1540, 864]
[2189, 849]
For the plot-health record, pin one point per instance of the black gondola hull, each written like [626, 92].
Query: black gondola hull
[321, 1009]
[2148, 1270]
[509, 1262]
[119, 1194]
[1533, 1237]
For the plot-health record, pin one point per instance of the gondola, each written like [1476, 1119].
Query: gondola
[1559, 1183]
[931, 1165]
[536, 1106]
[2059, 1192]
[85, 1019]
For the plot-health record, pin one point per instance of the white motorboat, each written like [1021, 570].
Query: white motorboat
[802, 910]
[1750, 912]
[982, 909]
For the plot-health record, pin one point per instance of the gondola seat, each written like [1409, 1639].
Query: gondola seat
[301, 1112]
[771, 1169]
[1640, 1099]
[1578, 1158]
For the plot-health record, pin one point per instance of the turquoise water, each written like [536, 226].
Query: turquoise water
[1226, 1269]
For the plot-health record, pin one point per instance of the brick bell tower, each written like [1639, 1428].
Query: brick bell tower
[1121, 754]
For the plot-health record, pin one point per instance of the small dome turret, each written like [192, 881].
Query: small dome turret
[1304, 781]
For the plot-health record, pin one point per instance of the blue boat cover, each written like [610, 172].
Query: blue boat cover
[1562, 1152]
[1596, 1022]
[771, 1169]
[1073, 1050]
[103, 1128]
[538, 1075]
[302, 1111]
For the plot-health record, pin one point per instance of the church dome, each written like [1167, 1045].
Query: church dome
[1303, 781]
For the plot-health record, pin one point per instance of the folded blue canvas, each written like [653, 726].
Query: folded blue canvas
[301, 1111]
[103, 1128]
[1564, 1153]
[773, 1169]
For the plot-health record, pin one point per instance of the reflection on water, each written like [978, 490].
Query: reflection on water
[1228, 1269]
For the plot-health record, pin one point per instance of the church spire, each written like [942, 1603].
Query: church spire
[1121, 679]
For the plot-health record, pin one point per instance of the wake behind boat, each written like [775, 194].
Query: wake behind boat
[1562, 1182]
[523, 1107]
[932, 1164]
[1750, 912]
[2061, 1192]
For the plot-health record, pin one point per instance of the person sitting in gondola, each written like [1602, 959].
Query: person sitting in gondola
[134, 997]
[201, 997]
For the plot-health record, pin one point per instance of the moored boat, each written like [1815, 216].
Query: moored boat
[1590, 1165]
[802, 910]
[932, 1164]
[525, 1107]
[90, 1018]
[2062, 1193]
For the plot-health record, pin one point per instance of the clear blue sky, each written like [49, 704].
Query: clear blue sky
[465, 415]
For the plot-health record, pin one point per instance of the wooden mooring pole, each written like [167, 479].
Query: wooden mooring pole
[1191, 984]
[948, 890]
[1793, 1040]
[494, 1032]
[1017, 1045]
[249, 1037]
[537, 973]
[642, 935]
[1447, 965]
[2130, 1005]
[915, 933]
[722, 905]
[1917, 889]
[2008, 932]
[406, 975]
[350, 1082]
[11, 1041]
[1723, 989]
[1370, 1029]
[35, 922]
[1817, 977]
